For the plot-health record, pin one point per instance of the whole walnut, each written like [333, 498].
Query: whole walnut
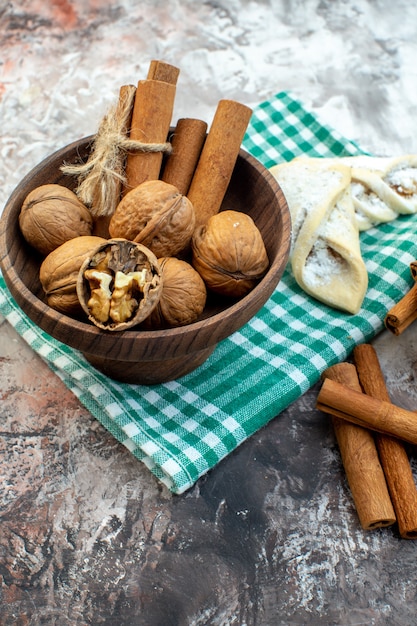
[229, 253]
[156, 215]
[59, 272]
[183, 296]
[51, 215]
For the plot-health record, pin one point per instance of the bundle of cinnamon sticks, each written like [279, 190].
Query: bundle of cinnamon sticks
[134, 143]
[371, 433]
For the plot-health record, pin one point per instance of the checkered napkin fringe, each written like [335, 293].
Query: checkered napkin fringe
[182, 429]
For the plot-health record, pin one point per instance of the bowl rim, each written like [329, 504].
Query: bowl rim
[22, 293]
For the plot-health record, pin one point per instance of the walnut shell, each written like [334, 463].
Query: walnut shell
[183, 296]
[229, 253]
[51, 215]
[156, 215]
[59, 272]
[119, 284]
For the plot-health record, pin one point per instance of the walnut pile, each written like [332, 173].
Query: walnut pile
[154, 269]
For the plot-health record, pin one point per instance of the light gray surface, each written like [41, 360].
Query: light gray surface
[270, 536]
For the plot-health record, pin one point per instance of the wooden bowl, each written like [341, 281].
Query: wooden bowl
[138, 356]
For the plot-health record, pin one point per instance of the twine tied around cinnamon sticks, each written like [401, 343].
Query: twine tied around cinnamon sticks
[133, 139]
[102, 176]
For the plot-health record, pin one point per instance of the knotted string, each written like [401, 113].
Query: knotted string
[101, 177]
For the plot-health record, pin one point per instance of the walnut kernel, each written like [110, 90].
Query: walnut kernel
[119, 284]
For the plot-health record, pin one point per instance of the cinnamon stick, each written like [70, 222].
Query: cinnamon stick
[187, 142]
[359, 408]
[160, 70]
[151, 119]
[413, 269]
[404, 313]
[393, 456]
[360, 459]
[218, 158]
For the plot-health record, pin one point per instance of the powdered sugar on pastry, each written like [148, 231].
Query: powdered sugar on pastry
[369, 208]
[404, 180]
[382, 187]
[325, 256]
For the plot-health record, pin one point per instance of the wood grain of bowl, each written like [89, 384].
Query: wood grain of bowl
[134, 355]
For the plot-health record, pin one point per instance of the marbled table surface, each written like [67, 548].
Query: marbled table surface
[269, 537]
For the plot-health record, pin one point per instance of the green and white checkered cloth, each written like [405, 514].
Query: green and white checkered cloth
[182, 429]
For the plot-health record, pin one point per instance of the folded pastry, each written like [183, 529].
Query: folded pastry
[325, 254]
[382, 187]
